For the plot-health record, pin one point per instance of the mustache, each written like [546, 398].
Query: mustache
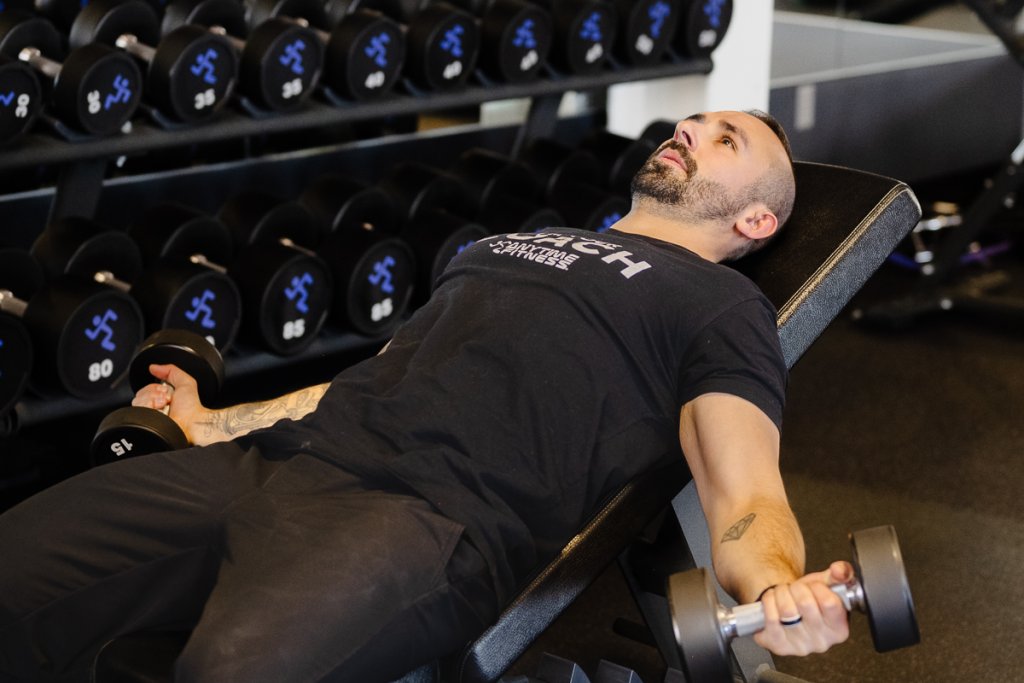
[683, 151]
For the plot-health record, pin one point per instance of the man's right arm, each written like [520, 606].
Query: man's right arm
[202, 425]
[227, 423]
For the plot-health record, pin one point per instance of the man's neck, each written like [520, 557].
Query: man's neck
[696, 238]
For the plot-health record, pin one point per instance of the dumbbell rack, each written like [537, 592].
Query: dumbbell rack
[84, 188]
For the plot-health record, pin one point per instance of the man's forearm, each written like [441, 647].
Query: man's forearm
[762, 547]
[227, 423]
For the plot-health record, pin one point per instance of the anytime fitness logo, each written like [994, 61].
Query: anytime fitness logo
[561, 251]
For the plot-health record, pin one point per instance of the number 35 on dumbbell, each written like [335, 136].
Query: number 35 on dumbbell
[704, 627]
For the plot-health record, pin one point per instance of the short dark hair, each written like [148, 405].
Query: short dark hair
[777, 187]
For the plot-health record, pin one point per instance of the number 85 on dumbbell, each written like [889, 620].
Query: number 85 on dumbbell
[704, 627]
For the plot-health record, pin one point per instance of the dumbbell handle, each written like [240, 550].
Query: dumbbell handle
[130, 44]
[12, 304]
[746, 620]
[33, 56]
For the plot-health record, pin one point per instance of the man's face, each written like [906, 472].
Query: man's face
[706, 170]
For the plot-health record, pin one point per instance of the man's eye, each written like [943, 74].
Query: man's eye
[728, 141]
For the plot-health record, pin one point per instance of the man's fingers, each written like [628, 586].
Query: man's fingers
[173, 375]
[155, 396]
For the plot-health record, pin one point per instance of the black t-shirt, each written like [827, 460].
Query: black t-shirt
[545, 372]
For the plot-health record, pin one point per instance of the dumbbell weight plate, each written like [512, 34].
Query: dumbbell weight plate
[281, 64]
[516, 40]
[97, 90]
[443, 43]
[189, 351]
[585, 32]
[365, 55]
[376, 275]
[85, 334]
[193, 74]
[703, 26]
[696, 621]
[132, 431]
[286, 295]
[487, 176]
[183, 295]
[557, 166]
[344, 205]
[286, 290]
[20, 100]
[227, 14]
[648, 27]
[890, 607]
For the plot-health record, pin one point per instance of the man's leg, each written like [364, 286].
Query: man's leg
[324, 581]
[122, 547]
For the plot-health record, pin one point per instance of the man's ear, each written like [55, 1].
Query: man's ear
[757, 222]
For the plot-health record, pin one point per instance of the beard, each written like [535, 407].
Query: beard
[684, 195]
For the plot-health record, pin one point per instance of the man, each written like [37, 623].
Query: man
[354, 530]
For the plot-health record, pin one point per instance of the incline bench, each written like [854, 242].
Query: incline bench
[844, 225]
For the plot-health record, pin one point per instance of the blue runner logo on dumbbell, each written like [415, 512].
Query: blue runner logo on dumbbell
[713, 11]
[381, 276]
[102, 327]
[658, 14]
[201, 307]
[292, 57]
[299, 293]
[452, 42]
[122, 92]
[377, 50]
[524, 35]
[204, 67]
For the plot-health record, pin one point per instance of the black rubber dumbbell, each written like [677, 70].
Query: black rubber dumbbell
[515, 38]
[585, 33]
[375, 270]
[184, 284]
[702, 26]
[646, 30]
[505, 194]
[84, 324]
[364, 50]
[190, 73]
[20, 278]
[434, 210]
[132, 431]
[704, 627]
[574, 182]
[21, 99]
[96, 89]
[620, 157]
[280, 61]
[286, 287]
[442, 41]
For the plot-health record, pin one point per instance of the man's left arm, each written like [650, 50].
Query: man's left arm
[732, 449]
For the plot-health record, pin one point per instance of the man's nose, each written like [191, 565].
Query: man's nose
[686, 134]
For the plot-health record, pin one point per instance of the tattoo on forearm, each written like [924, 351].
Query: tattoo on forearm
[241, 419]
[736, 531]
